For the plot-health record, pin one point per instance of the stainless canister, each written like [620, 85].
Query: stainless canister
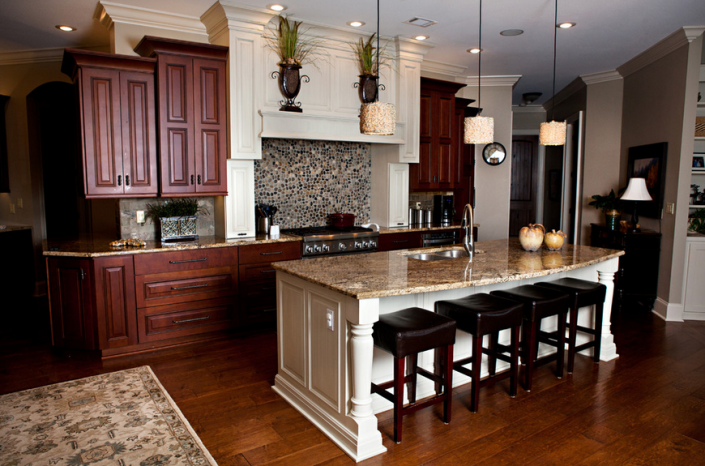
[428, 216]
[412, 216]
[263, 224]
[419, 214]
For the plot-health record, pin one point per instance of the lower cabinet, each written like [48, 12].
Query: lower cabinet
[71, 303]
[114, 282]
[694, 299]
[393, 241]
[258, 303]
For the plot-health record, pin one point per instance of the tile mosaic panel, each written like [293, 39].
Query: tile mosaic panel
[307, 180]
[149, 231]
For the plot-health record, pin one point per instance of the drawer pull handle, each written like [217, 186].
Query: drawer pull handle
[270, 253]
[271, 309]
[189, 320]
[189, 287]
[267, 271]
[268, 288]
[190, 260]
[401, 241]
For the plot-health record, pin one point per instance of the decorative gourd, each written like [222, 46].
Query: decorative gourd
[554, 240]
[531, 237]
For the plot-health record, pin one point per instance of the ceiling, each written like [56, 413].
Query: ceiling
[608, 32]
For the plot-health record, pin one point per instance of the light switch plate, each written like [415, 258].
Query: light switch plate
[12, 208]
[670, 208]
[140, 216]
[330, 320]
[20, 203]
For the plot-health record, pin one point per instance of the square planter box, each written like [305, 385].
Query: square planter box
[177, 228]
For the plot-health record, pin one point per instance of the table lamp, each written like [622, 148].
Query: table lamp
[636, 191]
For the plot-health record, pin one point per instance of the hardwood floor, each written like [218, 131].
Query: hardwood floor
[646, 407]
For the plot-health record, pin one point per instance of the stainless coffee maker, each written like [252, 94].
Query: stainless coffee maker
[443, 210]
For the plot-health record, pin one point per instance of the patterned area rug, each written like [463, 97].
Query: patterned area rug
[123, 418]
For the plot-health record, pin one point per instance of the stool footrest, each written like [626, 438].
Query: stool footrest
[377, 388]
[589, 330]
[584, 346]
[429, 375]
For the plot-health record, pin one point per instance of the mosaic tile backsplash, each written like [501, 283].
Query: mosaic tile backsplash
[307, 180]
[129, 228]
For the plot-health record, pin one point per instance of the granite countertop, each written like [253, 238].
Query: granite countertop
[9, 228]
[101, 247]
[380, 274]
[424, 227]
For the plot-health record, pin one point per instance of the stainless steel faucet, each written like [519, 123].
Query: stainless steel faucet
[468, 243]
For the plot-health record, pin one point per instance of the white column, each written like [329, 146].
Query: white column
[361, 346]
[606, 271]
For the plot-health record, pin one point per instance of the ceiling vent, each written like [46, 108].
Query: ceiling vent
[421, 22]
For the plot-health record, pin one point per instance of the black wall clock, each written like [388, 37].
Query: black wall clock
[494, 153]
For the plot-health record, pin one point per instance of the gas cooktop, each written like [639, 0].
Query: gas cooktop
[318, 241]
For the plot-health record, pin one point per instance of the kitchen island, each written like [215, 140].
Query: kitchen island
[326, 308]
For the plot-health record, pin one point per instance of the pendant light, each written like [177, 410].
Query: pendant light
[479, 129]
[377, 118]
[553, 133]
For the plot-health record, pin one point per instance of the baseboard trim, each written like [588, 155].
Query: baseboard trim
[670, 312]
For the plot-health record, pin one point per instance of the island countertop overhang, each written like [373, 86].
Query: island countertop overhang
[381, 274]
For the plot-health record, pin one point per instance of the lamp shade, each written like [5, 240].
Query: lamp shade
[552, 133]
[636, 191]
[479, 130]
[377, 118]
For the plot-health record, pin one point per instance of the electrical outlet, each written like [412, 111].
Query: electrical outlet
[140, 216]
[20, 203]
[330, 320]
[670, 208]
[12, 208]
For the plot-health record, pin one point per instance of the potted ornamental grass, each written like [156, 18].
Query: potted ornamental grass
[176, 218]
[369, 57]
[611, 206]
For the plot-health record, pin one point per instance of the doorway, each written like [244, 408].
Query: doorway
[523, 200]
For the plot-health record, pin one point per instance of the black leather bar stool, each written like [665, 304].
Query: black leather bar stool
[479, 315]
[582, 293]
[407, 333]
[539, 303]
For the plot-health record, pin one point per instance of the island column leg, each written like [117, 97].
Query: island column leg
[605, 272]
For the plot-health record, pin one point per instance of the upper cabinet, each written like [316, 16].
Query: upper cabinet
[117, 123]
[438, 158]
[192, 99]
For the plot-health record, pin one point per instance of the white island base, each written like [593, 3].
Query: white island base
[327, 359]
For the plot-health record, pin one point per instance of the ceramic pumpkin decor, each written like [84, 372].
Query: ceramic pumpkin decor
[554, 240]
[531, 237]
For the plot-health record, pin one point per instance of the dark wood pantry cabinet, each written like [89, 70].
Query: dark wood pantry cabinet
[117, 122]
[192, 99]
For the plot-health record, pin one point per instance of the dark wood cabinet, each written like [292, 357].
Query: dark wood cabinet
[192, 99]
[401, 240]
[437, 167]
[71, 304]
[114, 279]
[464, 181]
[258, 302]
[637, 278]
[117, 123]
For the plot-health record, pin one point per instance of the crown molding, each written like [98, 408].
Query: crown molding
[574, 86]
[600, 77]
[226, 15]
[679, 38]
[449, 69]
[41, 55]
[109, 13]
[493, 81]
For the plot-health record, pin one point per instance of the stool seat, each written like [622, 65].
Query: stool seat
[541, 302]
[413, 330]
[482, 314]
[582, 293]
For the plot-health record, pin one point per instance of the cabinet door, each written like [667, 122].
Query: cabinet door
[139, 134]
[72, 316]
[240, 202]
[176, 139]
[115, 301]
[211, 151]
[398, 194]
[102, 142]
[694, 303]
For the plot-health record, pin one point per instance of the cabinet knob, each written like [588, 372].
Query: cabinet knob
[199, 179]
[119, 180]
[127, 180]
[191, 179]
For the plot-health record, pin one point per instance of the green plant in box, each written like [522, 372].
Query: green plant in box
[697, 221]
[176, 217]
[611, 206]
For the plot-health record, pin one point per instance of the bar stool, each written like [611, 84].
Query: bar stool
[582, 293]
[479, 315]
[539, 303]
[407, 333]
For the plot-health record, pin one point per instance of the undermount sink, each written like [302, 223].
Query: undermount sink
[428, 257]
[453, 254]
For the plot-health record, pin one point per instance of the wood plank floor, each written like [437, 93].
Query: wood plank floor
[647, 407]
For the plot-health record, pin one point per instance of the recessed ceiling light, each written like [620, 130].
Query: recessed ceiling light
[474, 50]
[276, 7]
[355, 24]
[421, 37]
[65, 28]
[512, 32]
[566, 25]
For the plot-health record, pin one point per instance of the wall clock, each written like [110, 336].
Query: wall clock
[494, 153]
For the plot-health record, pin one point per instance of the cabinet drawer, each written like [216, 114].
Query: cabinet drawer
[256, 272]
[392, 241]
[179, 287]
[163, 322]
[178, 261]
[271, 252]
[259, 290]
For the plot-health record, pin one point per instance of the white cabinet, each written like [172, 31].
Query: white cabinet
[235, 213]
[390, 193]
[694, 301]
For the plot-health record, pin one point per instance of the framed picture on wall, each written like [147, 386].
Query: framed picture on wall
[649, 162]
[699, 162]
